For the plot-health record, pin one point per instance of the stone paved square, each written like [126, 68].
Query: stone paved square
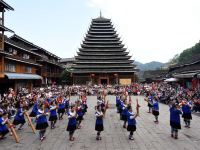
[149, 136]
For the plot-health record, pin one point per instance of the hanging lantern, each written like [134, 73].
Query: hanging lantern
[115, 74]
[92, 75]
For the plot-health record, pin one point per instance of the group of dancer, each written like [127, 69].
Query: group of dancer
[76, 114]
[45, 110]
[48, 107]
[100, 111]
[176, 109]
[124, 108]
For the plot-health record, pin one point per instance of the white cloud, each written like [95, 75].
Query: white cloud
[153, 29]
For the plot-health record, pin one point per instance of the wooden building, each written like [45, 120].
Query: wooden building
[188, 73]
[3, 8]
[50, 69]
[23, 64]
[102, 58]
[157, 76]
[67, 62]
[17, 65]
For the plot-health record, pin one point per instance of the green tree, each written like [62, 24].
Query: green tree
[66, 77]
[189, 53]
[174, 60]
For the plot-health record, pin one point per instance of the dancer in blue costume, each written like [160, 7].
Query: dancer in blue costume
[53, 114]
[187, 113]
[175, 121]
[19, 117]
[131, 121]
[41, 121]
[99, 122]
[155, 109]
[72, 124]
[3, 128]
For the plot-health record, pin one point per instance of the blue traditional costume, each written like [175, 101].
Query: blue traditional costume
[34, 110]
[3, 128]
[84, 105]
[19, 118]
[117, 103]
[99, 122]
[124, 114]
[53, 116]
[79, 116]
[155, 110]
[187, 115]
[41, 123]
[61, 109]
[175, 121]
[121, 104]
[150, 103]
[72, 124]
[131, 124]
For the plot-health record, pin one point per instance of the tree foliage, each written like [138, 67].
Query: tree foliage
[186, 55]
[174, 60]
[189, 53]
[66, 77]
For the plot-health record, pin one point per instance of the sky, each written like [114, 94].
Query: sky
[152, 30]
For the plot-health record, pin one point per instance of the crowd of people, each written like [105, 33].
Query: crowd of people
[47, 105]
[44, 106]
[180, 100]
[167, 93]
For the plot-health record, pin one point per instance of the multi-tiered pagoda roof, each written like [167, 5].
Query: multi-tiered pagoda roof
[102, 51]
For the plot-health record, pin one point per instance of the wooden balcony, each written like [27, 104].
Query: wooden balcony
[20, 59]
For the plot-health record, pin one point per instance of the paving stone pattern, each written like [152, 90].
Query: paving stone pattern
[149, 136]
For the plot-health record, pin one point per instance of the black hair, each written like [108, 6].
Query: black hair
[129, 107]
[98, 106]
[5, 113]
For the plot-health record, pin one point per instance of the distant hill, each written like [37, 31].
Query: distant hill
[149, 66]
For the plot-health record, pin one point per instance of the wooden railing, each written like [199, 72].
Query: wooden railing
[22, 59]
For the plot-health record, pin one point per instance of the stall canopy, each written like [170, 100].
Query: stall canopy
[171, 80]
[23, 76]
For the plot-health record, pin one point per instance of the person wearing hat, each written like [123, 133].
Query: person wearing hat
[175, 121]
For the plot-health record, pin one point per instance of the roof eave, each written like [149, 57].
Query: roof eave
[6, 6]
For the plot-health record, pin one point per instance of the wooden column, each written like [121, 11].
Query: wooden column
[2, 48]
